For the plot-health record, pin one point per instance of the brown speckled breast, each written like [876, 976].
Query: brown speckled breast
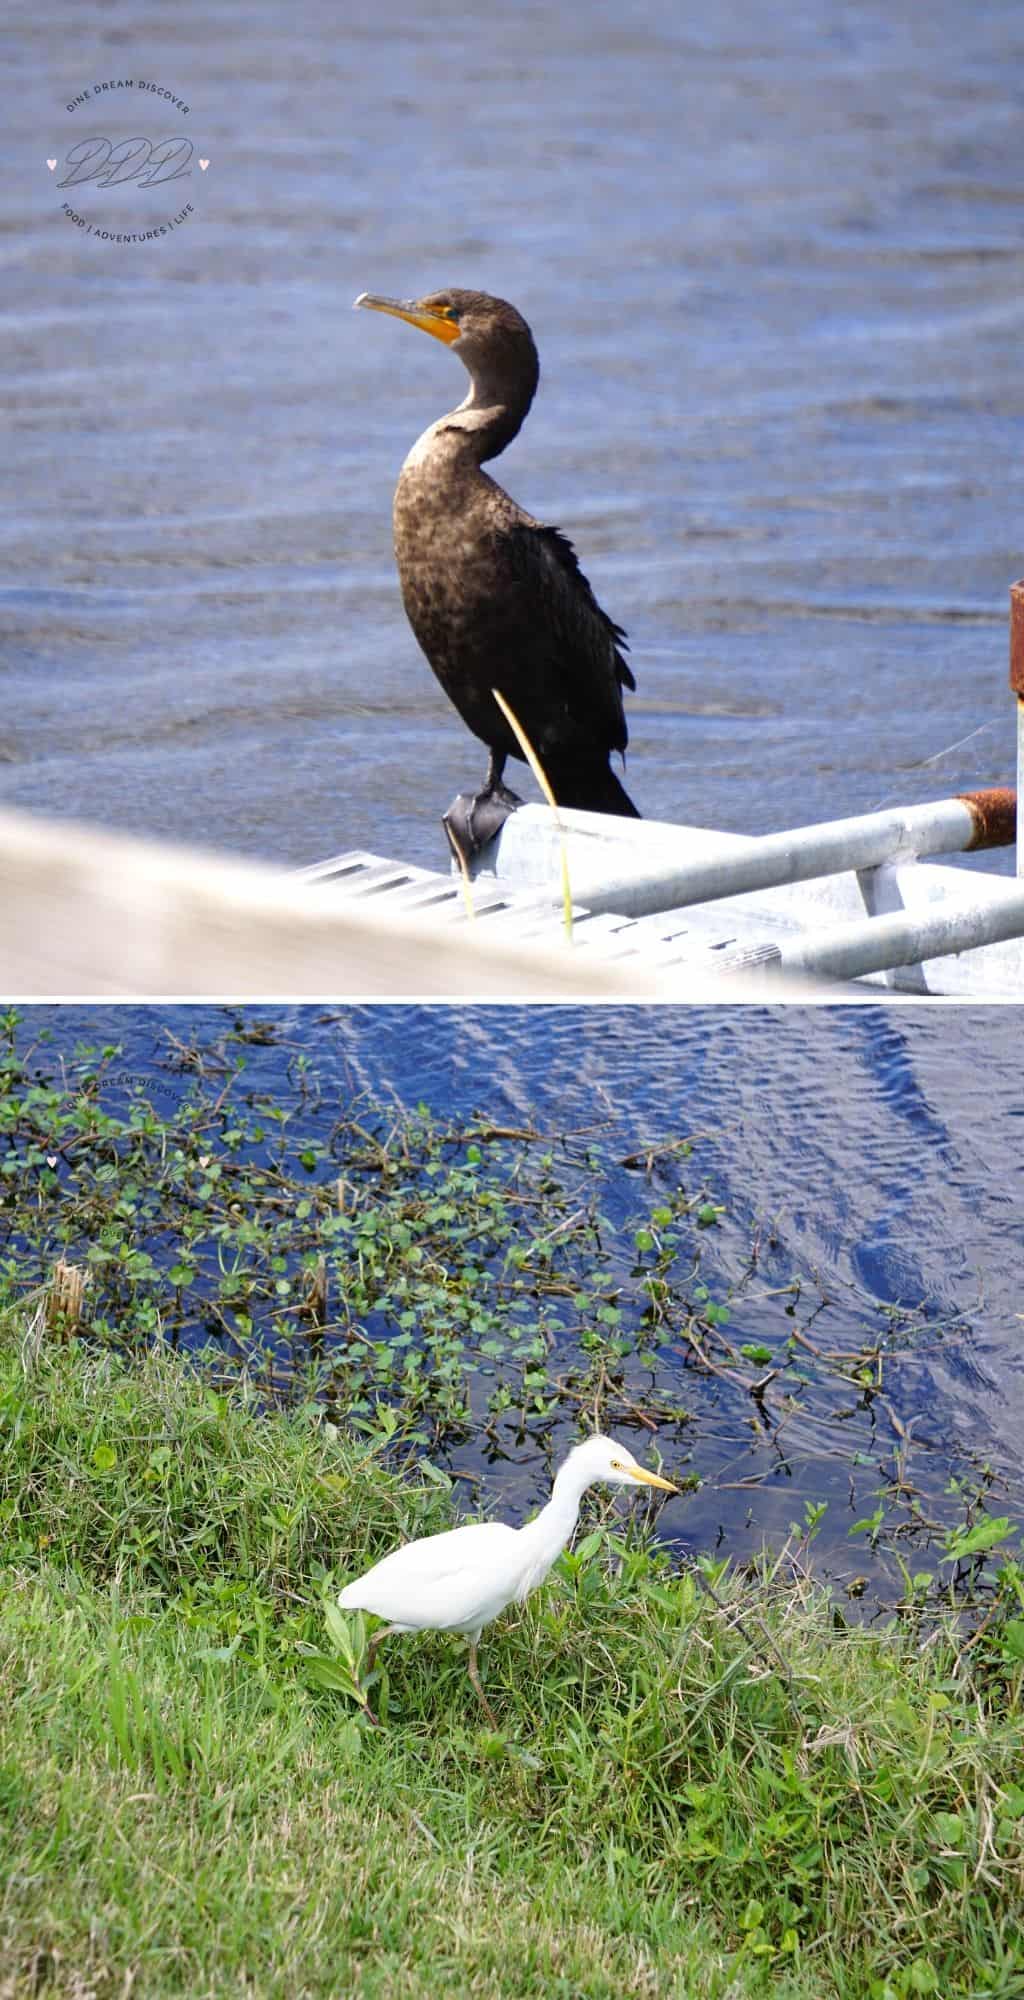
[497, 600]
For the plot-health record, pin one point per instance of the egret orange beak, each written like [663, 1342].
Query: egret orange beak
[438, 320]
[652, 1479]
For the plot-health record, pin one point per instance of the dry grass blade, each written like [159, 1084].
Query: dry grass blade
[464, 877]
[34, 1335]
[541, 776]
[314, 1300]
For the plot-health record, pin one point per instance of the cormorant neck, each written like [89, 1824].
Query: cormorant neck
[498, 400]
[486, 430]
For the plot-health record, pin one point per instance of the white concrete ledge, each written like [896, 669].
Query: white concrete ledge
[88, 912]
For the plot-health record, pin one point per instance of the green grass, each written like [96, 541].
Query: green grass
[185, 1809]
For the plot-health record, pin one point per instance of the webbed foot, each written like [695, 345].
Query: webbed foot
[474, 819]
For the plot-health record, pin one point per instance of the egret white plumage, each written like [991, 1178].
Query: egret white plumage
[460, 1580]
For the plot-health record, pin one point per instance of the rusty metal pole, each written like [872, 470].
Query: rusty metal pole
[1017, 684]
[633, 881]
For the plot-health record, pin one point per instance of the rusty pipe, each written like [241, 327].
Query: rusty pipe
[994, 815]
[1017, 684]
[1017, 639]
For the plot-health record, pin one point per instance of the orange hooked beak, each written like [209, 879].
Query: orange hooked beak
[438, 320]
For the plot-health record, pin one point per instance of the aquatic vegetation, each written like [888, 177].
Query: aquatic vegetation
[467, 1291]
[430, 1278]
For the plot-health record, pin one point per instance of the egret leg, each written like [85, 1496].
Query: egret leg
[474, 1675]
[386, 1632]
[371, 1654]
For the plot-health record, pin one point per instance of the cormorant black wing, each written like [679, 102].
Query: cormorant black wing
[583, 646]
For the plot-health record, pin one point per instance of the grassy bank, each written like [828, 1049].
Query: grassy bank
[186, 1807]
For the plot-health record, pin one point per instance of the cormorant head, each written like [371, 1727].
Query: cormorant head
[489, 336]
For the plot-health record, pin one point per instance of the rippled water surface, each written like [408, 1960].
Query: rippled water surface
[773, 259]
[875, 1158]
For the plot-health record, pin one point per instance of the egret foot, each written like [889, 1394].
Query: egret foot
[473, 819]
[474, 1675]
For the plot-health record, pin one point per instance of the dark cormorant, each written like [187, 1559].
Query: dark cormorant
[496, 599]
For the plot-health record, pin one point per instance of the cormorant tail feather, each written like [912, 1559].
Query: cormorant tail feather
[590, 787]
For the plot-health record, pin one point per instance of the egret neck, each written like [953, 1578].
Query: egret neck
[543, 1539]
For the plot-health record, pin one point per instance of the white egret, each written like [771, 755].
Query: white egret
[460, 1580]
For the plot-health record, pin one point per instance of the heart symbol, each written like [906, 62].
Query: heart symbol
[51, 1159]
[204, 164]
[204, 1161]
[51, 164]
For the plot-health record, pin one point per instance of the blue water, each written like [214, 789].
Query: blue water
[774, 261]
[876, 1157]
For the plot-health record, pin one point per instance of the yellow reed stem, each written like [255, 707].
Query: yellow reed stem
[541, 776]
